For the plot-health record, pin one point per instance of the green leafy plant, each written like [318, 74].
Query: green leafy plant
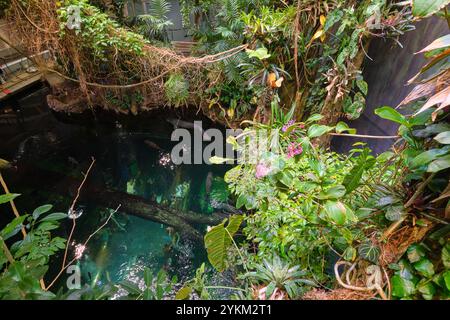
[154, 24]
[296, 190]
[219, 240]
[278, 275]
[418, 276]
[177, 90]
[25, 263]
[154, 288]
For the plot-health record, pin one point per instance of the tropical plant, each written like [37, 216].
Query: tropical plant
[277, 275]
[177, 90]
[418, 276]
[303, 201]
[25, 262]
[219, 240]
[154, 288]
[154, 24]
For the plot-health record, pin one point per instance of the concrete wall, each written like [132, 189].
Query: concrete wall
[387, 75]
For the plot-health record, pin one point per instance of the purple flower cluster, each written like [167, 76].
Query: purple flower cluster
[261, 171]
[294, 149]
[289, 124]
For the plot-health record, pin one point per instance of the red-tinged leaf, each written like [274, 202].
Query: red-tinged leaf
[441, 98]
[439, 43]
[436, 59]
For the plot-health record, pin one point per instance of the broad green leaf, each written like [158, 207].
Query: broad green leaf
[368, 251]
[395, 213]
[426, 157]
[439, 164]
[184, 293]
[353, 178]
[446, 256]
[349, 254]
[40, 210]
[47, 226]
[234, 222]
[415, 252]
[285, 178]
[447, 279]
[431, 130]
[406, 270]
[402, 287]
[343, 127]
[260, 53]
[443, 137]
[334, 192]
[385, 201]
[54, 216]
[13, 227]
[362, 85]
[219, 239]
[425, 8]
[427, 289]
[391, 114]
[317, 130]
[336, 211]
[363, 213]
[219, 160]
[424, 267]
[241, 200]
[4, 198]
[314, 118]
[332, 18]
[354, 109]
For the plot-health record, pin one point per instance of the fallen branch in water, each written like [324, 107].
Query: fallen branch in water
[62, 184]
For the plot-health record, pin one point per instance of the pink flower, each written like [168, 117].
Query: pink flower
[261, 170]
[294, 149]
[287, 125]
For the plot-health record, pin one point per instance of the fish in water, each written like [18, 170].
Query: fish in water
[152, 145]
[177, 123]
[23, 146]
[209, 181]
[73, 161]
[224, 207]
[101, 261]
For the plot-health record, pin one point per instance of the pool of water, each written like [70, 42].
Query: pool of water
[130, 160]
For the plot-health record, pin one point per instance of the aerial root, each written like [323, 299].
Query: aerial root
[374, 279]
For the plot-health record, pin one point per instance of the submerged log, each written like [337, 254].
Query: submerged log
[143, 208]
[138, 206]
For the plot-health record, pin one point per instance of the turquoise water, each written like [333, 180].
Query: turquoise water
[132, 162]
